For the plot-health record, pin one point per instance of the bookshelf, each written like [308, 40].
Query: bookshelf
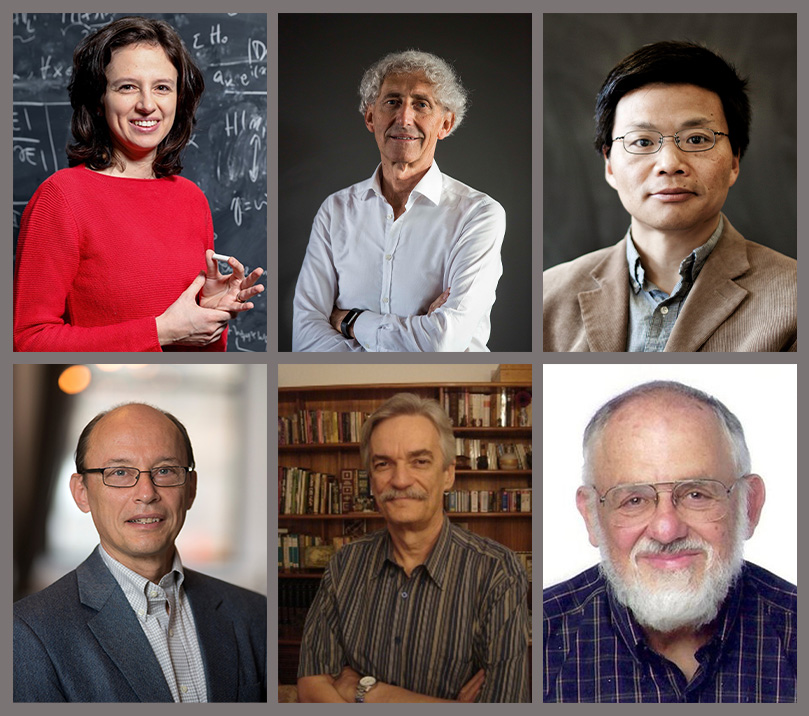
[317, 436]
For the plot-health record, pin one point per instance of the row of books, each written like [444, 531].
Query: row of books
[310, 427]
[506, 499]
[485, 455]
[302, 491]
[501, 408]
[295, 596]
[525, 558]
[298, 551]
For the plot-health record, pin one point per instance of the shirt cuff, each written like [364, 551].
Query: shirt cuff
[365, 329]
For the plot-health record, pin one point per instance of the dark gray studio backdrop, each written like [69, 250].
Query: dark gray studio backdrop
[323, 145]
[582, 212]
[227, 155]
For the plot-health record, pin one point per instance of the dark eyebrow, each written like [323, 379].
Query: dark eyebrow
[165, 81]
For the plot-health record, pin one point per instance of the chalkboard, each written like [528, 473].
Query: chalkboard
[582, 212]
[227, 154]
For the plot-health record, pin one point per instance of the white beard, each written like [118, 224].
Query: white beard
[677, 598]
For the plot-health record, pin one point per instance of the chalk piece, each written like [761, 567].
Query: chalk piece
[221, 257]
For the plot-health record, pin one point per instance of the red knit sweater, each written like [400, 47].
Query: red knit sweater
[100, 257]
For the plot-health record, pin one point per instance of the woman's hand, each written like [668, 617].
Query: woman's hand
[187, 324]
[229, 292]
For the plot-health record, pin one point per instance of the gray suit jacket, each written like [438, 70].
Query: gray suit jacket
[79, 640]
[744, 299]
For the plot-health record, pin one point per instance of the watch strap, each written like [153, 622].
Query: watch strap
[348, 321]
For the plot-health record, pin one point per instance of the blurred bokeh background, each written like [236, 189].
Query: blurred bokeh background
[224, 408]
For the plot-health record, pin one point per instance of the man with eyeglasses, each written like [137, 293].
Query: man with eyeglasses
[673, 613]
[672, 125]
[131, 623]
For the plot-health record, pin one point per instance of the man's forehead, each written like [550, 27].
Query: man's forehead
[398, 82]
[405, 427]
[693, 105]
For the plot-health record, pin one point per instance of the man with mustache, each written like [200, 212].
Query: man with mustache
[131, 623]
[672, 125]
[409, 259]
[422, 611]
[673, 613]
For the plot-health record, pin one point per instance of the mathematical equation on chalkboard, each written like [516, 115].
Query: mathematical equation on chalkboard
[226, 155]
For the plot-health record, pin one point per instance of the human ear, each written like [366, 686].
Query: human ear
[449, 476]
[608, 175]
[192, 488]
[585, 503]
[79, 491]
[756, 495]
[446, 125]
[369, 118]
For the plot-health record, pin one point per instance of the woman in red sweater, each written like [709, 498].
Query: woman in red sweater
[116, 252]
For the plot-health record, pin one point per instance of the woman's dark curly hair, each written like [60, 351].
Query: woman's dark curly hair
[93, 143]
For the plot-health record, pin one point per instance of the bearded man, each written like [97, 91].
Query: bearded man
[673, 613]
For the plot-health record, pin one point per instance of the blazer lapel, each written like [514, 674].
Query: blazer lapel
[217, 641]
[714, 295]
[605, 310]
[118, 632]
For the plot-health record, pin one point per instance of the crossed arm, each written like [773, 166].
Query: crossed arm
[324, 688]
[473, 269]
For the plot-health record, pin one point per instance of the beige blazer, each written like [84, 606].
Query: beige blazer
[744, 299]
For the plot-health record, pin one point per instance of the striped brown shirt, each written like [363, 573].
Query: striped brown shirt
[463, 609]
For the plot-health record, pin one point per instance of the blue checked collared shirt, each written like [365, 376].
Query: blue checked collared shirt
[595, 651]
[652, 312]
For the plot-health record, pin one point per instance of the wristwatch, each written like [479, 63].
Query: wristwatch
[348, 321]
[365, 685]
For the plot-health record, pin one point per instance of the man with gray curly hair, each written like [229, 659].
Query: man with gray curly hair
[409, 259]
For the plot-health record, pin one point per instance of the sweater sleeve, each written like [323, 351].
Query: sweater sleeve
[47, 262]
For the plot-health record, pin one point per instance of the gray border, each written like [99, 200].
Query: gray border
[272, 358]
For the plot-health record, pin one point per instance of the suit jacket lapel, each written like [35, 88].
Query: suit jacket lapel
[118, 632]
[217, 641]
[714, 295]
[605, 310]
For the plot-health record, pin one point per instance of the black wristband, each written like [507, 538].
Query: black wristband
[348, 321]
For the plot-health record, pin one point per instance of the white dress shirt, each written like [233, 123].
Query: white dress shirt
[449, 236]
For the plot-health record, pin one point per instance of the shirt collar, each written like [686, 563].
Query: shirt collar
[429, 186]
[135, 584]
[690, 266]
[436, 562]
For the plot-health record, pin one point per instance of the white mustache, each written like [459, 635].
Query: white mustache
[646, 545]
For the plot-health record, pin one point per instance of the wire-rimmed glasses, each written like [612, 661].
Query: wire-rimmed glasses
[649, 141]
[163, 476]
[697, 501]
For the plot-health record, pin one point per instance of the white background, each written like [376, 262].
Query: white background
[763, 397]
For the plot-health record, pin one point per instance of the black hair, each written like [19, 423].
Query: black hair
[675, 62]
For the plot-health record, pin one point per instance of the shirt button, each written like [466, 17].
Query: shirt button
[152, 593]
[184, 689]
[171, 632]
[389, 216]
[397, 640]
[141, 612]
[384, 300]
[404, 595]
[664, 310]
[388, 257]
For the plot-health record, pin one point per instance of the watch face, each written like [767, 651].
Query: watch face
[367, 681]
